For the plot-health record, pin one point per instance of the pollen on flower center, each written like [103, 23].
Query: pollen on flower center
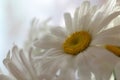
[77, 42]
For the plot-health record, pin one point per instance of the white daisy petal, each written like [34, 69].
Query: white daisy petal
[67, 74]
[48, 41]
[76, 19]
[106, 21]
[67, 71]
[83, 67]
[84, 8]
[106, 41]
[68, 22]
[22, 69]
[14, 49]
[52, 62]
[14, 70]
[59, 32]
[85, 21]
[52, 53]
[109, 32]
[102, 62]
[28, 66]
[96, 19]
[82, 15]
[109, 6]
[100, 15]
[15, 56]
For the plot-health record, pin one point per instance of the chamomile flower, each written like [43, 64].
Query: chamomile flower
[22, 66]
[86, 45]
[19, 65]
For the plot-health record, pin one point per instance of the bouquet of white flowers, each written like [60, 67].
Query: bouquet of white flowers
[86, 48]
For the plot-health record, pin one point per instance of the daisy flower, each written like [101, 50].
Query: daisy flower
[22, 66]
[19, 64]
[86, 46]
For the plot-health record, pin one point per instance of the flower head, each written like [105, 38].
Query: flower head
[22, 66]
[87, 44]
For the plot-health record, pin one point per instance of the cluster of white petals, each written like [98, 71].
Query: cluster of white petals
[52, 63]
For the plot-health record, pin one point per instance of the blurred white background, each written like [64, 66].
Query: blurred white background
[15, 17]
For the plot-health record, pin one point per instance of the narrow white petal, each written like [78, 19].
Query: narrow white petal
[51, 66]
[15, 58]
[97, 18]
[86, 21]
[51, 62]
[54, 53]
[68, 22]
[109, 6]
[84, 8]
[17, 64]
[82, 16]
[106, 21]
[14, 70]
[102, 62]
[76, 20]
[67, 75]
[109, 32]
[100, 15]
[28, 66]
[48, 41]
[106, 41]
[59, 32]
[84, 71]
[67, 72]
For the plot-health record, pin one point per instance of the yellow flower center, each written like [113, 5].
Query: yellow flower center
[113, 49]
[77, 42]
